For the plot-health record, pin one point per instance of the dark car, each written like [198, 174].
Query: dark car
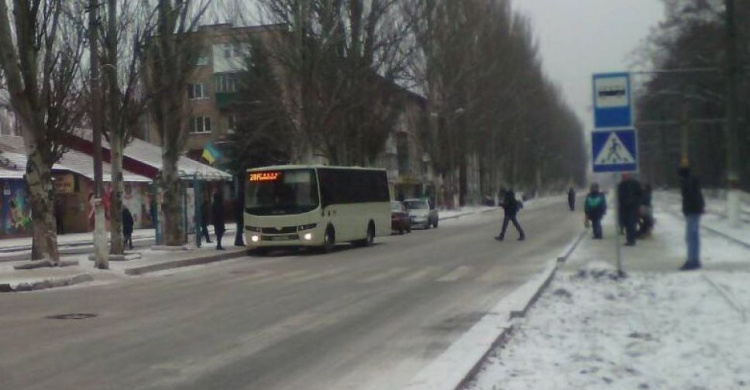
[399, 218]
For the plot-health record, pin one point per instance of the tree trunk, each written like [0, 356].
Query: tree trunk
[174, 234]
[117, 143]
[41, 196]
[117, 246]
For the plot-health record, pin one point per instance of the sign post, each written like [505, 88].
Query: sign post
[614, 141]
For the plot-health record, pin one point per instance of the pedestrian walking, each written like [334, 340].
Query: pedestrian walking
[628, 199]
[595, 207]
[204, 220]
[217, 216]
[127, 226]
[59, 213]
[572, 199]
[693, 206]
[511, 206]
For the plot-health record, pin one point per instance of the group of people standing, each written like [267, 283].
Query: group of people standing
[636, 213]
[216, 216]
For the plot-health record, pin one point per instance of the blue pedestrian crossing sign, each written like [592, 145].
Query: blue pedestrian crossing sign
[614, 150]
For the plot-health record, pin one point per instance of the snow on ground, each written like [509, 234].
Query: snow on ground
[651, 330]
[657, 331]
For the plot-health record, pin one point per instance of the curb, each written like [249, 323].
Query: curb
[458, 365]
[466, 213]
[45, 283]
[185, 262]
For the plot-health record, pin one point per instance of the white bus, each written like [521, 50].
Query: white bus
[315, 206]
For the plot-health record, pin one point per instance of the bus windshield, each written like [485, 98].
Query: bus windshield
[281, 192]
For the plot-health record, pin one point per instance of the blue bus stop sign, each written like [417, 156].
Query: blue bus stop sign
[614, 150]
[612, 100]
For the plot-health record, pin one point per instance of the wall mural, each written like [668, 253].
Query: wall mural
[16, 209]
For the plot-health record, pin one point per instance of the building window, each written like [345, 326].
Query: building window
[227, 52]
[225, 83]
[196, 91]
[201, 60]
[201, 124]
[231, 123]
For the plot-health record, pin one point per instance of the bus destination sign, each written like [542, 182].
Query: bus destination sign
[264, 176]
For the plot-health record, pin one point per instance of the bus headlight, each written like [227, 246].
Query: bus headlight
[255, 238]
[307, 236]
[307, 227]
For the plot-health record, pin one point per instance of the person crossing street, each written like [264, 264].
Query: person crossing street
[511, 206]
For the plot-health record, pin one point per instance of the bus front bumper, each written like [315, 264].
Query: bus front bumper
[302, 238]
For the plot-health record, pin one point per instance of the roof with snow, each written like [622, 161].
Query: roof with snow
[151, 155]
[13, 159]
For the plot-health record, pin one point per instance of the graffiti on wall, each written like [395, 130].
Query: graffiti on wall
[16, 209]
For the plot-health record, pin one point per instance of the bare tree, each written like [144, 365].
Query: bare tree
[127, 27]
[40, 55]
[479, 66]
[339, 63]
[692, 104]
[171, 55]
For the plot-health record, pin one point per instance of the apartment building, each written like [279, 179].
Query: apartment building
[213, 84]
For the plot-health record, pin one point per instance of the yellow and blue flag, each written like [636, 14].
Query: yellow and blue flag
[210, 153]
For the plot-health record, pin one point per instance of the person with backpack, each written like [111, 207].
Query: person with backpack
[595, 207]
[511, 206]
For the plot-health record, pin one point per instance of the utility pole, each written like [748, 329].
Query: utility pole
[733, 152]
[684, 130]
[100, 232]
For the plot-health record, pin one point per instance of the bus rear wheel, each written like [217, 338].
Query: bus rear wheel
[329, 240]
[370, 238]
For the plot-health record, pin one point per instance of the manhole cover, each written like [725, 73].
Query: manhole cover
[72, 316]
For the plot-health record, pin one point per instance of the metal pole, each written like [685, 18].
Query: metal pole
[733, 152]
[198, 210]
[684, 127]
[100, 233]
[157, 213]
[618, 248]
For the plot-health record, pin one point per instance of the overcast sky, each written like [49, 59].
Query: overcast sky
[578, 38]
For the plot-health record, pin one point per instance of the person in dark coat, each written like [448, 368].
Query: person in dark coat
[645, 213]
[572, 199]
[693, 206]
[217, 218]
[511, 206]
[204, 221]
[628, 200]
[595, 207]
[59, 213]
[127, 226]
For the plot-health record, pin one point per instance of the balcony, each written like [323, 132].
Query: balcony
[225, 99]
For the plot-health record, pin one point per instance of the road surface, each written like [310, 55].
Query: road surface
[354, 319]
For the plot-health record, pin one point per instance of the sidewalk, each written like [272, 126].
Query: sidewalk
[16, 249]
[142, 261]
[659, 328]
